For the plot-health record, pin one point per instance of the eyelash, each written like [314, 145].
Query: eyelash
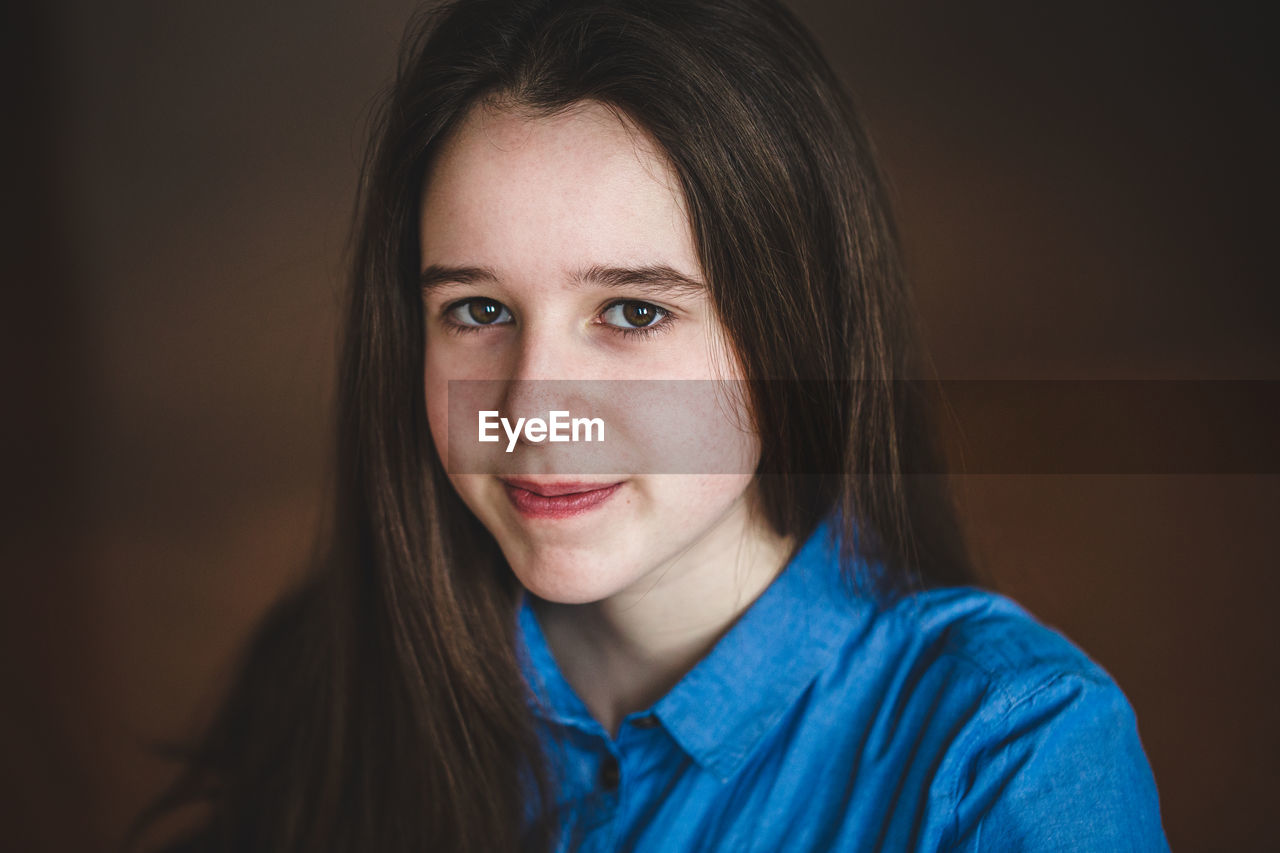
[661, 326]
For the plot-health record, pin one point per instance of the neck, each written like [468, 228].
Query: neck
[623, 653]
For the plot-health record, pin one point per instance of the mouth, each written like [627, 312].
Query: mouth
[556, 499]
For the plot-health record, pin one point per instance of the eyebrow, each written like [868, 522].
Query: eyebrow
[436, 276]
[653, 279]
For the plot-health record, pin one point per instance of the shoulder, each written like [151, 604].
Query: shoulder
[968, 653]
[988, 638]
[1033, 743]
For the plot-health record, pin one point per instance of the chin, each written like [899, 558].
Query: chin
[575, 580]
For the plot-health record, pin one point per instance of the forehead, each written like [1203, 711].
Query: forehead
[532, 195]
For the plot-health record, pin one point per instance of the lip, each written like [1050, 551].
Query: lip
[556, 499]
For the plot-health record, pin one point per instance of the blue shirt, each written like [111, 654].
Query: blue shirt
[825, 720]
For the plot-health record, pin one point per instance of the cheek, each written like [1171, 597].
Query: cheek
[448, 380]
[675, 427]
[686, 502]
[436, 389]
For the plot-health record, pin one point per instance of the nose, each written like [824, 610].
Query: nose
[549, 373]
[545, 351]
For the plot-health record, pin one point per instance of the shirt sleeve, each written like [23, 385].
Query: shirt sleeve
[1061, 768]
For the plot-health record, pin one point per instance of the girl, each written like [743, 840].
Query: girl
[762, 643]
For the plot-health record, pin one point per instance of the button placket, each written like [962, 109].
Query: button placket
[610, 774]
[607, 804]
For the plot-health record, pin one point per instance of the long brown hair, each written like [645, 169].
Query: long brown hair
[380, 706]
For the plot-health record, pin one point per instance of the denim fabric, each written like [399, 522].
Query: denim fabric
[828, 720]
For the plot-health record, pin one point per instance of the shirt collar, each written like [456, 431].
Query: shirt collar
[721, 709]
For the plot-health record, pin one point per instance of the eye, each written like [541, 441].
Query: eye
[477, 312]
[630, 315]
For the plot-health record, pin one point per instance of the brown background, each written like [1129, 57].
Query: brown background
[1086, 190]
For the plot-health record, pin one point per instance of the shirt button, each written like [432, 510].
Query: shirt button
[648, 721]
[609, 773]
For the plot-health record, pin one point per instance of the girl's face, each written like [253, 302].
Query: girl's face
[560, 248]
